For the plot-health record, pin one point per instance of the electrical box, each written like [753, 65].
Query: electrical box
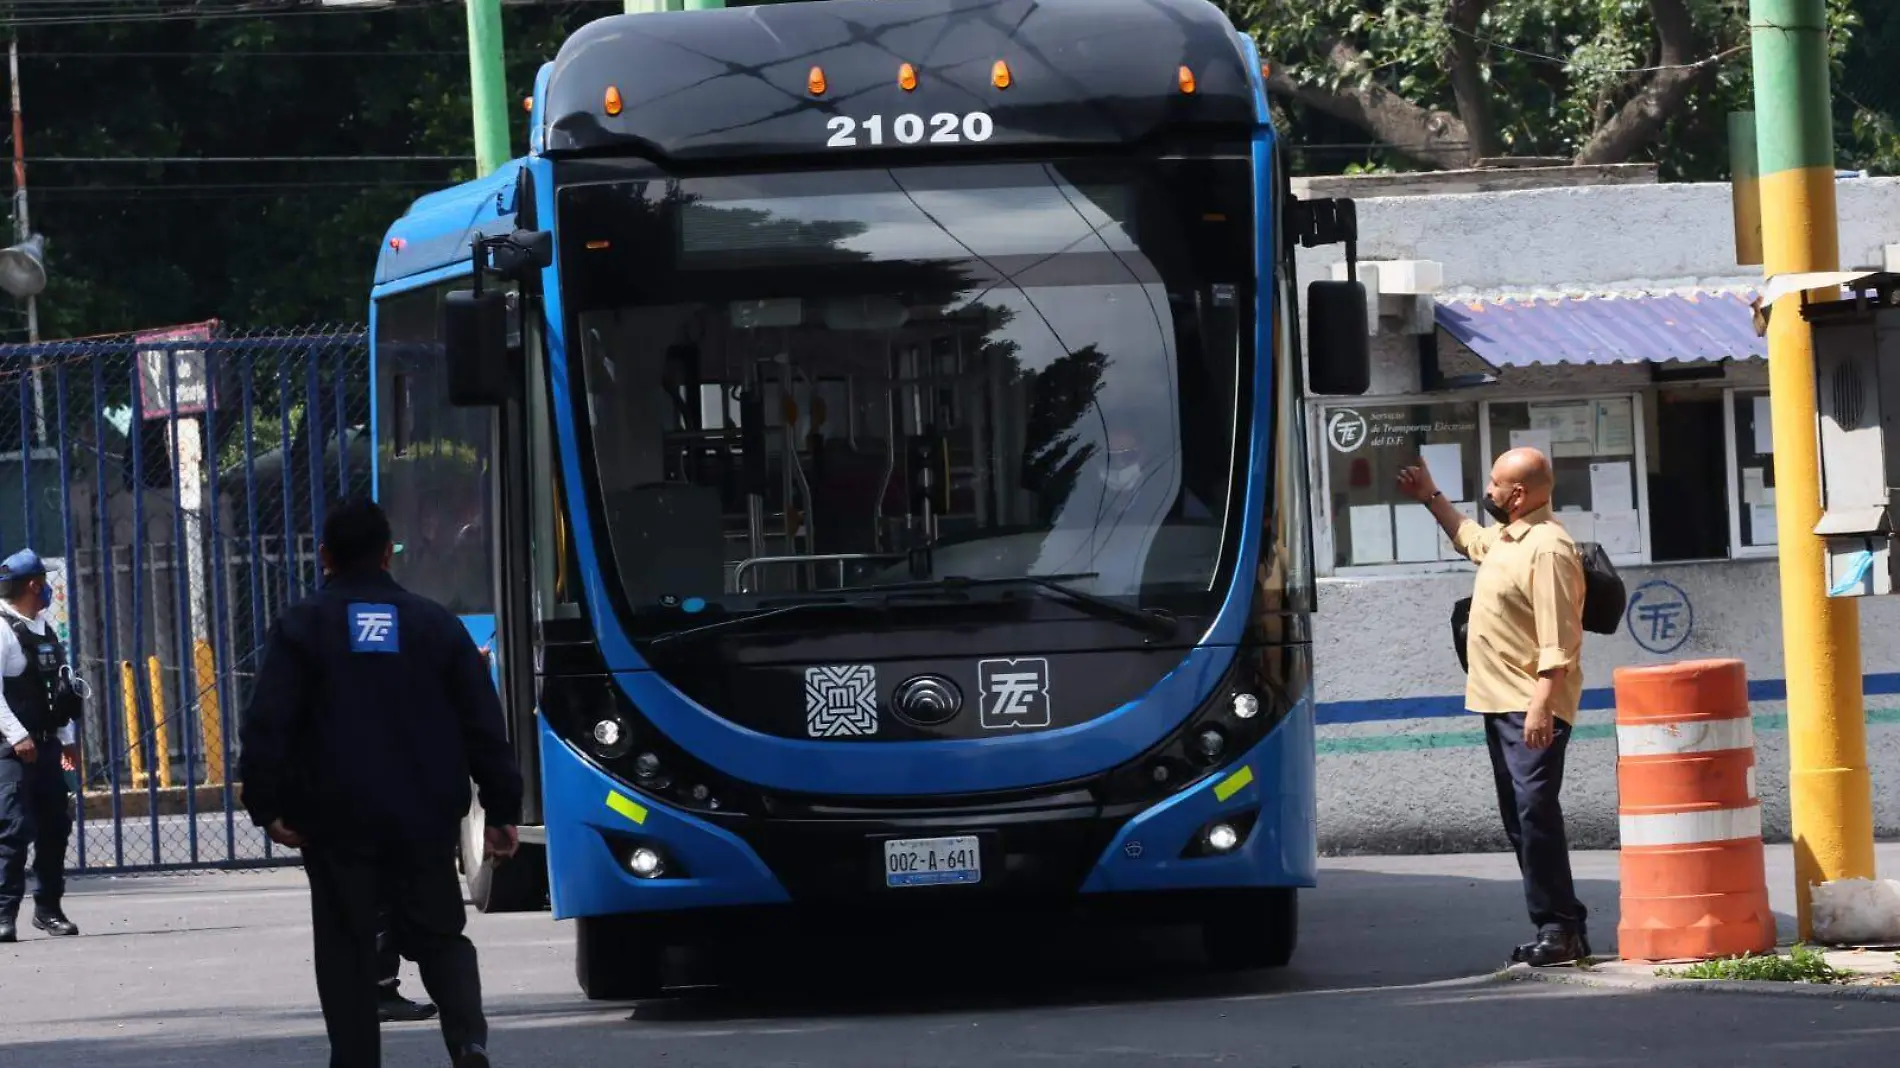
[1857, 402]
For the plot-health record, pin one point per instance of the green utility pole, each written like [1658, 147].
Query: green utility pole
[487, 86]
[1830, 793]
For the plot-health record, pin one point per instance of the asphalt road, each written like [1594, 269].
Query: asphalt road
[214, 971]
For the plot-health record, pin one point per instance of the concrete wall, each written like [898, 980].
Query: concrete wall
[1402, 767]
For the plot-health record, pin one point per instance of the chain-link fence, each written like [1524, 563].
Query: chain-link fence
[178, 479]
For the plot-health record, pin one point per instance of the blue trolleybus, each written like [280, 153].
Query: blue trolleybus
[868, 434]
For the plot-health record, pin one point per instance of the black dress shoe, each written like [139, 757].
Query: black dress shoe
[472, 1057]
[394, 1008]
[1556, 947]
[55, 923]
[7, 933]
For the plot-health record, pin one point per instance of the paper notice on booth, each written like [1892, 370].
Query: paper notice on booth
[1761, 525]
[1754, 486]
[1418, 532]
[1538, 439]
[1446, 550]
[1371, 532]
[1611, 488]
[1447, 466]
[1620, 533]
[1764, 427]
[1581, 525]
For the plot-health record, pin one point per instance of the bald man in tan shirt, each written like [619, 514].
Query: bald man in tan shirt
[1524, 643]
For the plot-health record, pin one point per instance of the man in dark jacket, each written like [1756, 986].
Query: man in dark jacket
[371, 713]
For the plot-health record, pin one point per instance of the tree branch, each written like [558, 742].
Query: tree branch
[1435, 137]
[1464, 63]
[1662, 93]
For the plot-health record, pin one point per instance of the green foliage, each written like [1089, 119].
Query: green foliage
[1559, 72]
[133, 246]
[1801, 965]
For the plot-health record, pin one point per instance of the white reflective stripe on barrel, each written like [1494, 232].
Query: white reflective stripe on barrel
[1690, 828]
[1675, 739]
[1751, 784]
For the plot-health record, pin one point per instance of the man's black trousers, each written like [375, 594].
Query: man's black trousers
[36, 810]
[422, 893]
[1528, 782]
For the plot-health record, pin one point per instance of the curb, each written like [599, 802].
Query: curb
[1584, 977]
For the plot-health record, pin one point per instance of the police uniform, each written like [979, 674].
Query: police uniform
[36, 808]
[370, 715]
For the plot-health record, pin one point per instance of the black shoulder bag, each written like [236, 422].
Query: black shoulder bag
[1604, 599]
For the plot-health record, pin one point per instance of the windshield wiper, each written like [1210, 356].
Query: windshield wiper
[1153, 621]
[759, 617]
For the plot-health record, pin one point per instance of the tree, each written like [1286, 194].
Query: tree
[1446, 83]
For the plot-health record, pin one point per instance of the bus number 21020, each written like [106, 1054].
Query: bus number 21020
[943, 128]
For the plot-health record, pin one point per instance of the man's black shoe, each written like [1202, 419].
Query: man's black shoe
[1557, 947]
[1521, 953]
[7, 933]
[55, 923]
[472, 1057]
[394, 1008]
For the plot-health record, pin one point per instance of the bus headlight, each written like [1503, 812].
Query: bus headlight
[646, 863]
[1246, 706]
[1210, 743]
[610, 739]
[1222, 837]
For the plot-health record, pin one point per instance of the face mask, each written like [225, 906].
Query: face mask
[1494, 509]
[46, 597]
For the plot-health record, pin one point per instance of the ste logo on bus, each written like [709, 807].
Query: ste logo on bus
[910, 128]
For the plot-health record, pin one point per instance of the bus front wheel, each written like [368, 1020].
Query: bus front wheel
[1249, 929]
[617, 958]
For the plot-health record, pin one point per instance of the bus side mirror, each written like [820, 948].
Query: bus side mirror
[1338, 343]
[475, 337]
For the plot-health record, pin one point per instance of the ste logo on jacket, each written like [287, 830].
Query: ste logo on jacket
[373, 629]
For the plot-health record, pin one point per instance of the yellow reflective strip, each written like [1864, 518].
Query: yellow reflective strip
[1233, 784]
[627, 807]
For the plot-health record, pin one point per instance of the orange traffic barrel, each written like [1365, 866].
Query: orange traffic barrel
[1694, 883]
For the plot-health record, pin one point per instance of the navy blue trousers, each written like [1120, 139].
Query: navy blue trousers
[36, 812]
[1528, 782]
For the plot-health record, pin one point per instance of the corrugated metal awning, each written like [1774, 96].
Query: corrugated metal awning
[1701, 327]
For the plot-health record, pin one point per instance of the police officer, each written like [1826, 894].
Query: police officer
[370, 714]
[42, 702]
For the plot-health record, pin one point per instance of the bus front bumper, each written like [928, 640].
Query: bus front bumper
[1060, 856]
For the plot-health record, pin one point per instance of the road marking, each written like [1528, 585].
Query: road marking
[1765, 723]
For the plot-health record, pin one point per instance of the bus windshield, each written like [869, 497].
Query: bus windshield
[823, 381]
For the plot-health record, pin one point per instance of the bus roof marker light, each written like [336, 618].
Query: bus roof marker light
[999, 75]
[1186, 77]
[815, 81]
[907, 77]
[614, 103]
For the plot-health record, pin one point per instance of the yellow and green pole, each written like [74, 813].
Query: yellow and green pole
[1831, 798]
[487, 85]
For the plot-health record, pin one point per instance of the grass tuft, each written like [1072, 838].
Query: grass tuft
[1801, 965]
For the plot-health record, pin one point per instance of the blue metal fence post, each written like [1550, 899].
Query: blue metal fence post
[141, 699]
[108, 619]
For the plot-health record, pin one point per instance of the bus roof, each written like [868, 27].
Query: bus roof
[436, 230]
[744, 82]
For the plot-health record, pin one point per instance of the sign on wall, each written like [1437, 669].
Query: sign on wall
[195, 392]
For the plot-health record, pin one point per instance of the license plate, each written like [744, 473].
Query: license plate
[932, 861]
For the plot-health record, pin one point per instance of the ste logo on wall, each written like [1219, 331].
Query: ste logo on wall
[1660, 617]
